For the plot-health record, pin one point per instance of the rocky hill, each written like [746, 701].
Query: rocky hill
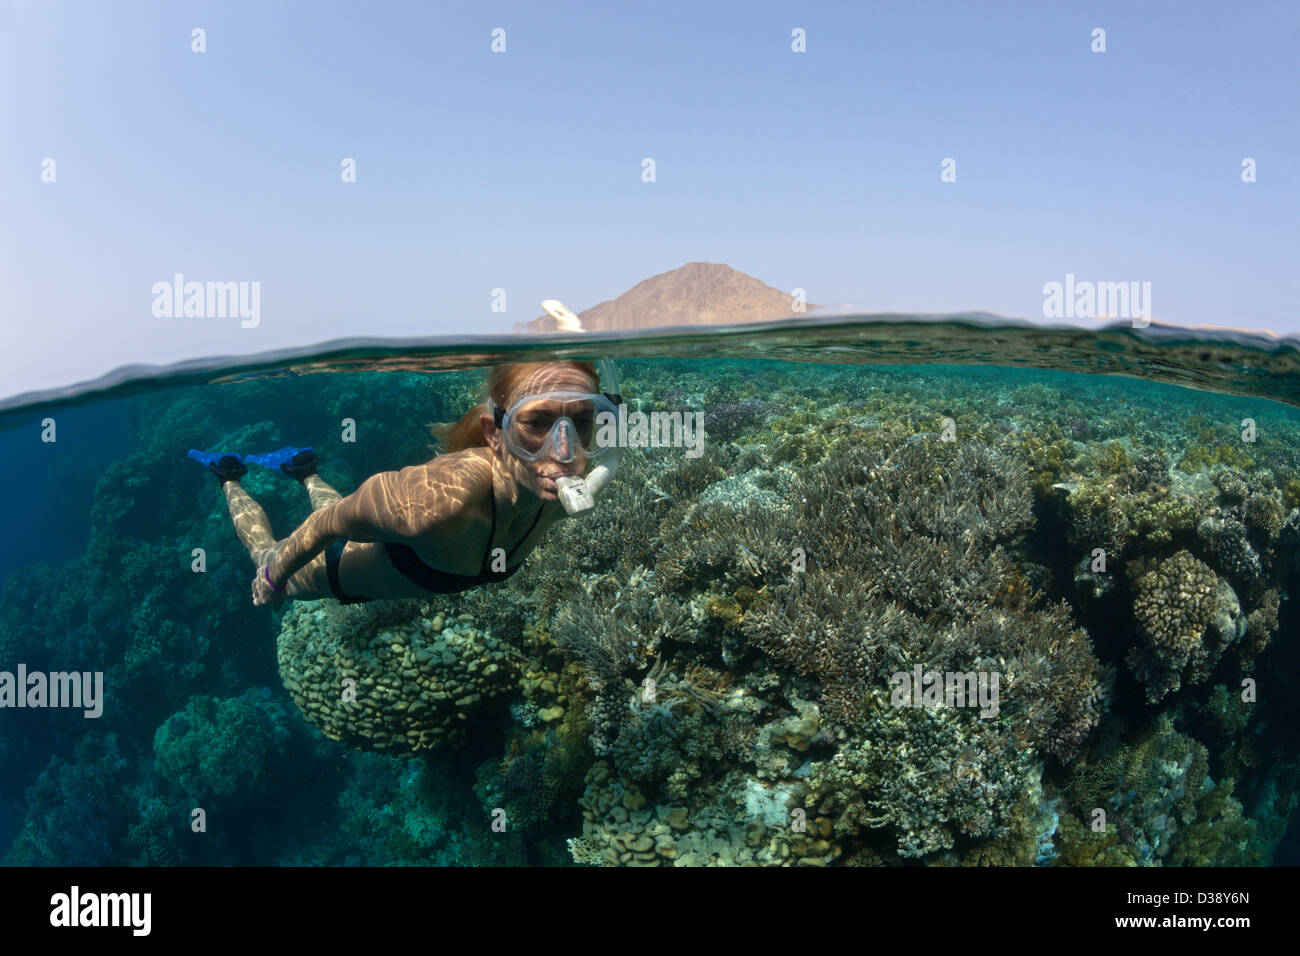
[698, 293]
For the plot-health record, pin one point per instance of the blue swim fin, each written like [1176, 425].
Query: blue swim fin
[226, 466]
[295, 462]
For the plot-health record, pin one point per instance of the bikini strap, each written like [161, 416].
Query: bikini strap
[487, 554]
[492, 533]
[526, 534]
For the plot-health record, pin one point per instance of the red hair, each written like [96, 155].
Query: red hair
[501, 384]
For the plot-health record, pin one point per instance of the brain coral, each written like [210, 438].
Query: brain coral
[1187, 617]
[389, 678]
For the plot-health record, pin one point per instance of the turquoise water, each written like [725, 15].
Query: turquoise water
[714, 666]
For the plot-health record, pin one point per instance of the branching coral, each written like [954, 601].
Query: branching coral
[1226, 540]
[1053, 689]
[615, 626]
[77, 811]
[920, 523]
[1262, 622]
[1154, 793]
[673, 729]
[619, 537]
[911, 538]
[216, 750]
[831, 630]
[931, 775]
[736, 541]
[903, 560]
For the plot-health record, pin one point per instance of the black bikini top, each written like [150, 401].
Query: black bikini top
[412, 566]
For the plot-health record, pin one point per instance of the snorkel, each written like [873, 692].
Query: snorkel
[576, 493]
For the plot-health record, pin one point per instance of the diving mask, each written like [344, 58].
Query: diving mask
[559, 425]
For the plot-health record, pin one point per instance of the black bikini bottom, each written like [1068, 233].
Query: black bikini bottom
[332, 555]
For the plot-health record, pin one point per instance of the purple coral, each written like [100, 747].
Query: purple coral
[728, 419]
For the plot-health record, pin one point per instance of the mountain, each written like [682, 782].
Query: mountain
[698, 293]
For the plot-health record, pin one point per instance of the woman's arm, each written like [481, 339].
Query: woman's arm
[389, 506]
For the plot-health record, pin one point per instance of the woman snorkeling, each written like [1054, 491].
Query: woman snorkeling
[515, 464]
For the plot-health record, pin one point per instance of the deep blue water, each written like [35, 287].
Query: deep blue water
[52, 523]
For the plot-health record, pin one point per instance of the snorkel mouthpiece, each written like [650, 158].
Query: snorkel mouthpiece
[578, 494]
[575, 495]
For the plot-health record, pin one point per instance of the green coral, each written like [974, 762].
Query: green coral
[216, 749]
[1150, 789]
[1114, 459]
[1099, 518]
[1291, 494]
[1221, 834]
[1048, 461]
[77, 810]
[397, 812]
[1227, 711]
[725, 611]
[153, 836]
[1203, 456]
[1162, 520]
[1264, 514]
[1079, 845]
[1018, 846]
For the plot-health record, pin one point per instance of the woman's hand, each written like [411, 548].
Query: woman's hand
[263, 591]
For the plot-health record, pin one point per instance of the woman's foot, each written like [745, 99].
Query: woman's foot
[301, 465]
[228, 468]
[297, 463]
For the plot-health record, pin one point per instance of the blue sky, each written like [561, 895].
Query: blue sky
[522, 170]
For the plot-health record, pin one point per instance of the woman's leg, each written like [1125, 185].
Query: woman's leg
[254, 530]
[321, 494]
[251, 523]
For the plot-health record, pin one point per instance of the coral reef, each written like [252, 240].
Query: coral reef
[76, 808]
[1160, 802]
[726, 420]
[1188, 618]
[225, 752]
[621, 828]
[928, 774]
[388, 678]
[701, 671]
